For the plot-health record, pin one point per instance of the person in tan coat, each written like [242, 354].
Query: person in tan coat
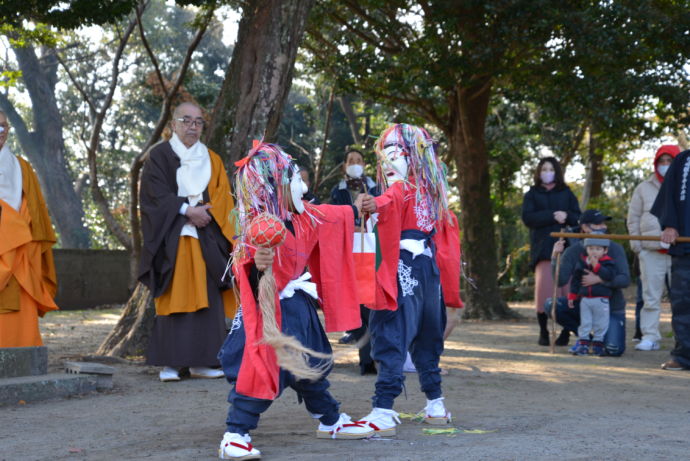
[655, 263]
[27, 274]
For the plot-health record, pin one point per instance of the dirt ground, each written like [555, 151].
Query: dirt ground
[511, 400]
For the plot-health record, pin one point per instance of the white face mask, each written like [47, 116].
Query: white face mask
[547, 177]
[662, 169]
[354, 171]
[297, 190]
[396, 168]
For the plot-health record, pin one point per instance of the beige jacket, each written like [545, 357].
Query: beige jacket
[640, 220]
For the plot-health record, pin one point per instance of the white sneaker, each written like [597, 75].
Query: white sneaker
[205, 372]
[435, 413]
[169, 374]
[382, 421]
[344, 428]
[647, 345]
[408, 366]
[236, 446]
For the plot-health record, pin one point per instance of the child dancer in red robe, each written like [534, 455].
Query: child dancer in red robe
[419, 272]
[320, 236]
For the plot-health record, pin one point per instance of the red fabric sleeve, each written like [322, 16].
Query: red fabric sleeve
[448, 259]
[332, 268]
[390, 207]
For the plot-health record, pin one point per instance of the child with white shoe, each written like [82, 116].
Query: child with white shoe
[320, 236]
[420, 269]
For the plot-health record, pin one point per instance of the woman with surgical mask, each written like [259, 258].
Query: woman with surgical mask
[547, 207]
[655, 263]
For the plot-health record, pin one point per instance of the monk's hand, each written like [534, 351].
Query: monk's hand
[263, 258]
[198, 215]
[669, 235]
[368, 203]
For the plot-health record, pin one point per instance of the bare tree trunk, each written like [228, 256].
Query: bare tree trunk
[45, 146]
[131, 334]
[318, 171]
[349, 111]
[468, 110]
[259, 76]
[594, 179]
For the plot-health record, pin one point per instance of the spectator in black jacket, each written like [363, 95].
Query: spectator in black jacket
[547, 207]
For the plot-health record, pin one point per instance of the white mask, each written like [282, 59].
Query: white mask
[547, 177]
[662, 169]
[297, 190]
[396, 168]
[354, 171]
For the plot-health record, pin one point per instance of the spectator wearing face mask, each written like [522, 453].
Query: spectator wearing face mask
[547, 207]
[354, 182]
[655, 262]
[346, 192]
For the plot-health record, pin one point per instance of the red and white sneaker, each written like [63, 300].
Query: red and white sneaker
[435, 413]
[344, 428]
[382, 421]
[237, 447]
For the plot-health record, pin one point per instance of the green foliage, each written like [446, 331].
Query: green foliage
[62, 14]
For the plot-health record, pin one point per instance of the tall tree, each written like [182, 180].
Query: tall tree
[258, 77]
[443, 60]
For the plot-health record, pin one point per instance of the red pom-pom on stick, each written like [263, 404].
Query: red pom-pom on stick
[266, 231]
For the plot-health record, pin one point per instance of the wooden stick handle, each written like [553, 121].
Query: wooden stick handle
[577, 235]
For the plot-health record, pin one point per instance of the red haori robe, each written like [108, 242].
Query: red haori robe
[324, 246]
[398, 211]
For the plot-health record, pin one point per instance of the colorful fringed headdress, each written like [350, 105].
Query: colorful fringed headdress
[262, 182]
[428, 174]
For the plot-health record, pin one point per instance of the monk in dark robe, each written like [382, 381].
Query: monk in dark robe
[185, 207]
[27, 273]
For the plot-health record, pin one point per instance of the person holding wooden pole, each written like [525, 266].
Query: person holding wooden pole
[672, 207]
[593, 221]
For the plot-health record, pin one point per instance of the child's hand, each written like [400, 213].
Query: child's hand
[263, 258]
[571, 304]
[592, 260]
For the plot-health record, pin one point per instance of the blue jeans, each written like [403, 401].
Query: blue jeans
[614, 339]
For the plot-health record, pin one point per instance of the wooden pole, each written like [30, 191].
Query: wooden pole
[554, 303]
[581, 235]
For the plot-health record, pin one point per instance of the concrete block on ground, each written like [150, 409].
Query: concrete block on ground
[102, 373]
[23, 361]
[35, 388]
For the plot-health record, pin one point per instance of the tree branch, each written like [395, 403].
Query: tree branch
[99, 198]
[138, 11]
[76, 84]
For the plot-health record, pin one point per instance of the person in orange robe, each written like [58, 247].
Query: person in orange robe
[185, 208]
[27, 272]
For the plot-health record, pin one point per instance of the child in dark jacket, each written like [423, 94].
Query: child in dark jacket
[594, 299]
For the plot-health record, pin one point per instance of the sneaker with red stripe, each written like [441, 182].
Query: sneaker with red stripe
[237, 447]
[382, 421]
[344, 428]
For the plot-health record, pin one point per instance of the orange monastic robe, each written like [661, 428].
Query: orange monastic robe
[27, 272]
[187, 291]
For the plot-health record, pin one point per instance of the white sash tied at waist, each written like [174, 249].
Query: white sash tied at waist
[300, 283]
[416, 247]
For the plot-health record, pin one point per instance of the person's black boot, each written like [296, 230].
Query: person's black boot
[543, 331]
[564, 338]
